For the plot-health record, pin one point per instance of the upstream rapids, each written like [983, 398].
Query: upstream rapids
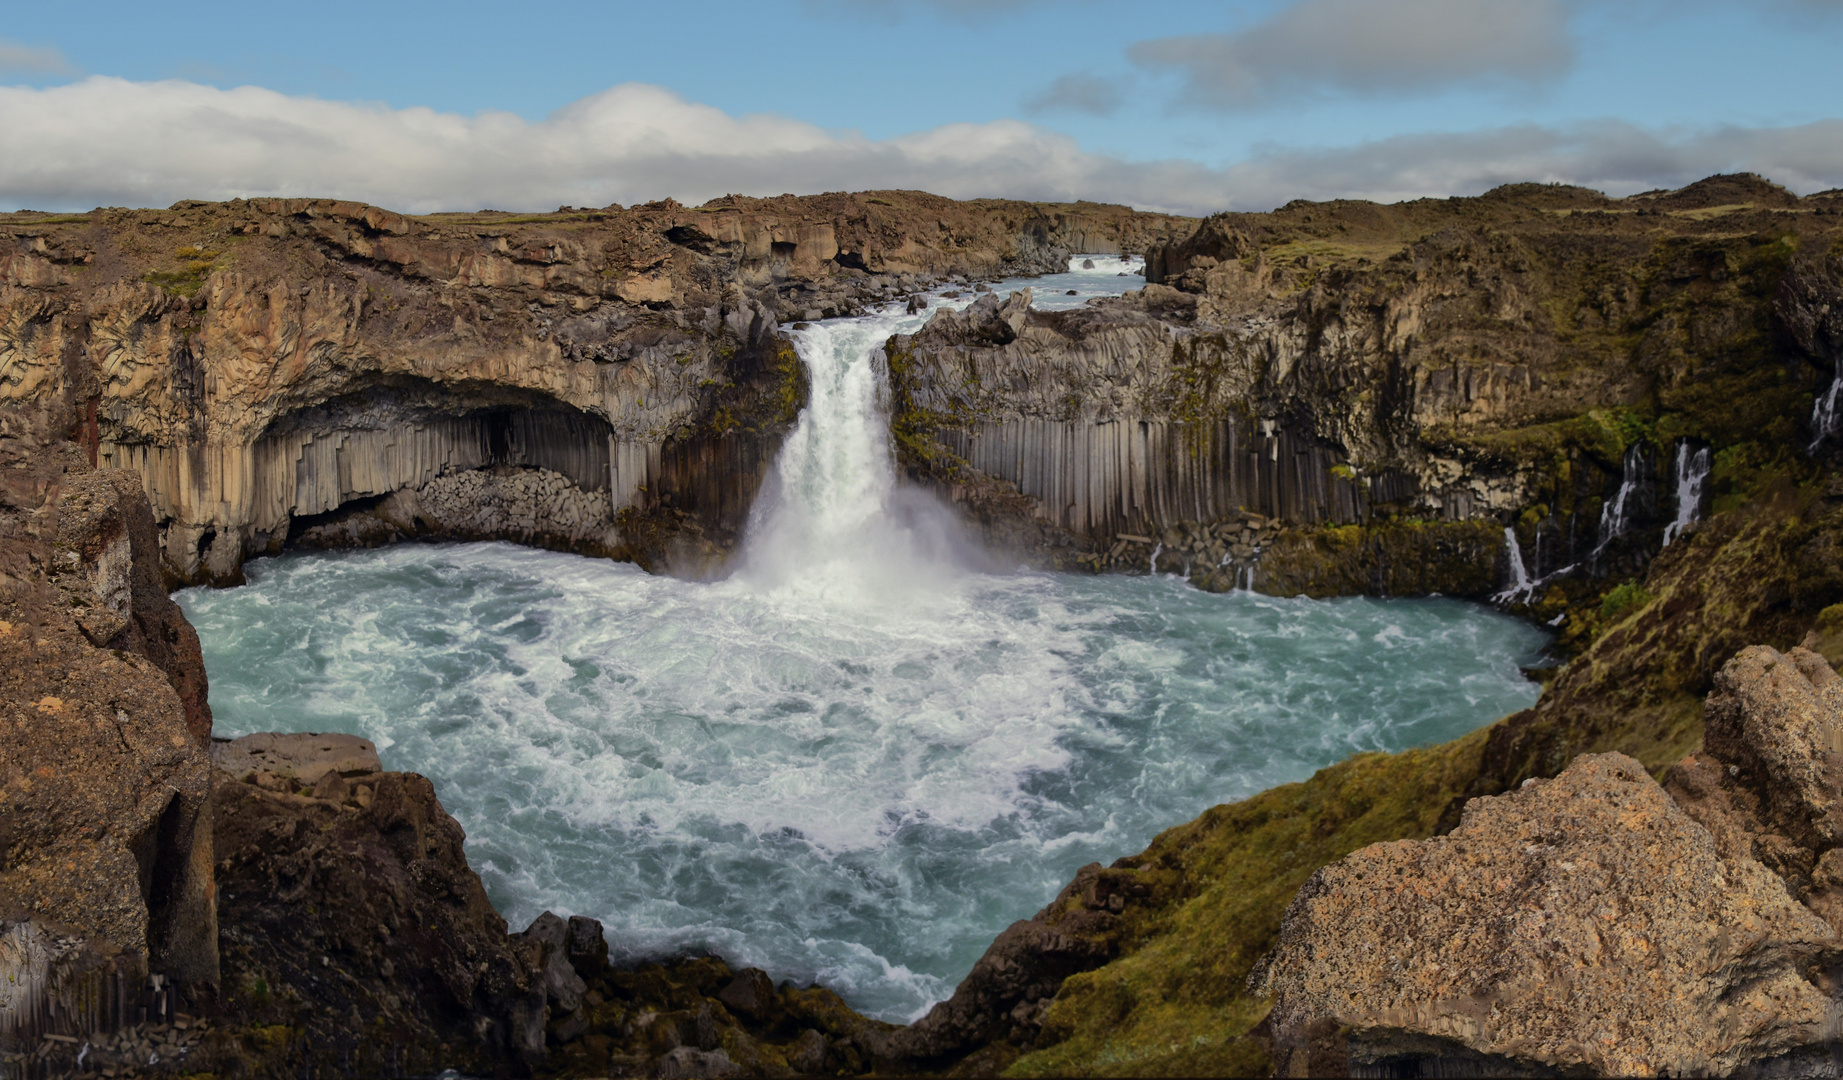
[866, 751]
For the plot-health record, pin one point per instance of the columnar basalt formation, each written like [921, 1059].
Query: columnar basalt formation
[267, 361]
[1534, 358]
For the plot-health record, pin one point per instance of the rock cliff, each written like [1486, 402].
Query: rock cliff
[107, 905]
[274, 367]
[1535, 358]
[1592, 921]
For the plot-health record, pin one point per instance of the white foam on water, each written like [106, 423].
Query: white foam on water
[830, 791]
[861, 756]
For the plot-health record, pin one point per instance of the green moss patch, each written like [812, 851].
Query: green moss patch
[1176, 1002]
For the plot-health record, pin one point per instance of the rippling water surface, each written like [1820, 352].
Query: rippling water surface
[861, 756]
[859, 793]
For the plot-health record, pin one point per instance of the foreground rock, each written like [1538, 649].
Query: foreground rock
[357, 940]
[1596, 921]
[1584, 922]
[107, 913]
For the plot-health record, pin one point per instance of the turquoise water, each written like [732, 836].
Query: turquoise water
[858, 758]
[857, 785]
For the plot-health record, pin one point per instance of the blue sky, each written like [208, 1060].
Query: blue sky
[1180, 105]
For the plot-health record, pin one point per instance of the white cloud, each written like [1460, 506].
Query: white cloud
[1611, 156]
[105, 141]
[31, 59]
[1368, 46]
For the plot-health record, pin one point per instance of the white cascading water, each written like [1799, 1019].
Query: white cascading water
[1692, 472]
[831, 520]
[1614, 516]
[1521, 587]
[1824, 412]
[859, 758]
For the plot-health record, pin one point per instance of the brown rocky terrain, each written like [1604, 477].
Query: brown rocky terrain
[275, 367]
[1331, 398]
[105, 826]
[1597, 921]
[1508, 359]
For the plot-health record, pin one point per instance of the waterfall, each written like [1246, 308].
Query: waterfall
[1521, 587]
[1824, 411]
[1692, 471]
[831, 517]
[1614, 515]
[1152, 563]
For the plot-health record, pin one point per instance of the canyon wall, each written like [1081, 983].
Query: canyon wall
[1539, 357]
[107, 904]
[264, 364]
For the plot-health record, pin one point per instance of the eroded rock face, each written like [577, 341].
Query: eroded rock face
[1584, 922]
[105, 835]
[1454, 360]
[264, 361]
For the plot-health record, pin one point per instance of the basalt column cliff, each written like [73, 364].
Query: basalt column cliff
[1518, 359]
[608, 381]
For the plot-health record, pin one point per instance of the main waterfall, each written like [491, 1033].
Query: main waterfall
[831, 519]
[861, 756]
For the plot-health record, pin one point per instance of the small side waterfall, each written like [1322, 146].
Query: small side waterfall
[1522, 588]
[1824, 411]
[1520, 585]
[1615, 515]
[1692, 472]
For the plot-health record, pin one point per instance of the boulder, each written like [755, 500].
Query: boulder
[105, 838]
[1778, 718]
[303, 757]
[1580, 924]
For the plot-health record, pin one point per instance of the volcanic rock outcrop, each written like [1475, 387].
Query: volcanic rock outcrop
[274, 366]
[1532, 357]
[107, 907]
[1597, 921]
[357, 940]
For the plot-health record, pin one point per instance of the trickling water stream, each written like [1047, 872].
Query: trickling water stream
[860, 757]
[1616, 514]
[1692, 472]
[1824, 412]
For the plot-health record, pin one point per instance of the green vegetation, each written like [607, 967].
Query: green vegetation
[1623, 600]
[195, 265]
[913, 428]
[1176, 1001]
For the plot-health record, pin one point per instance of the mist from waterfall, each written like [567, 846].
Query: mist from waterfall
[832, 519]
[861, 756]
